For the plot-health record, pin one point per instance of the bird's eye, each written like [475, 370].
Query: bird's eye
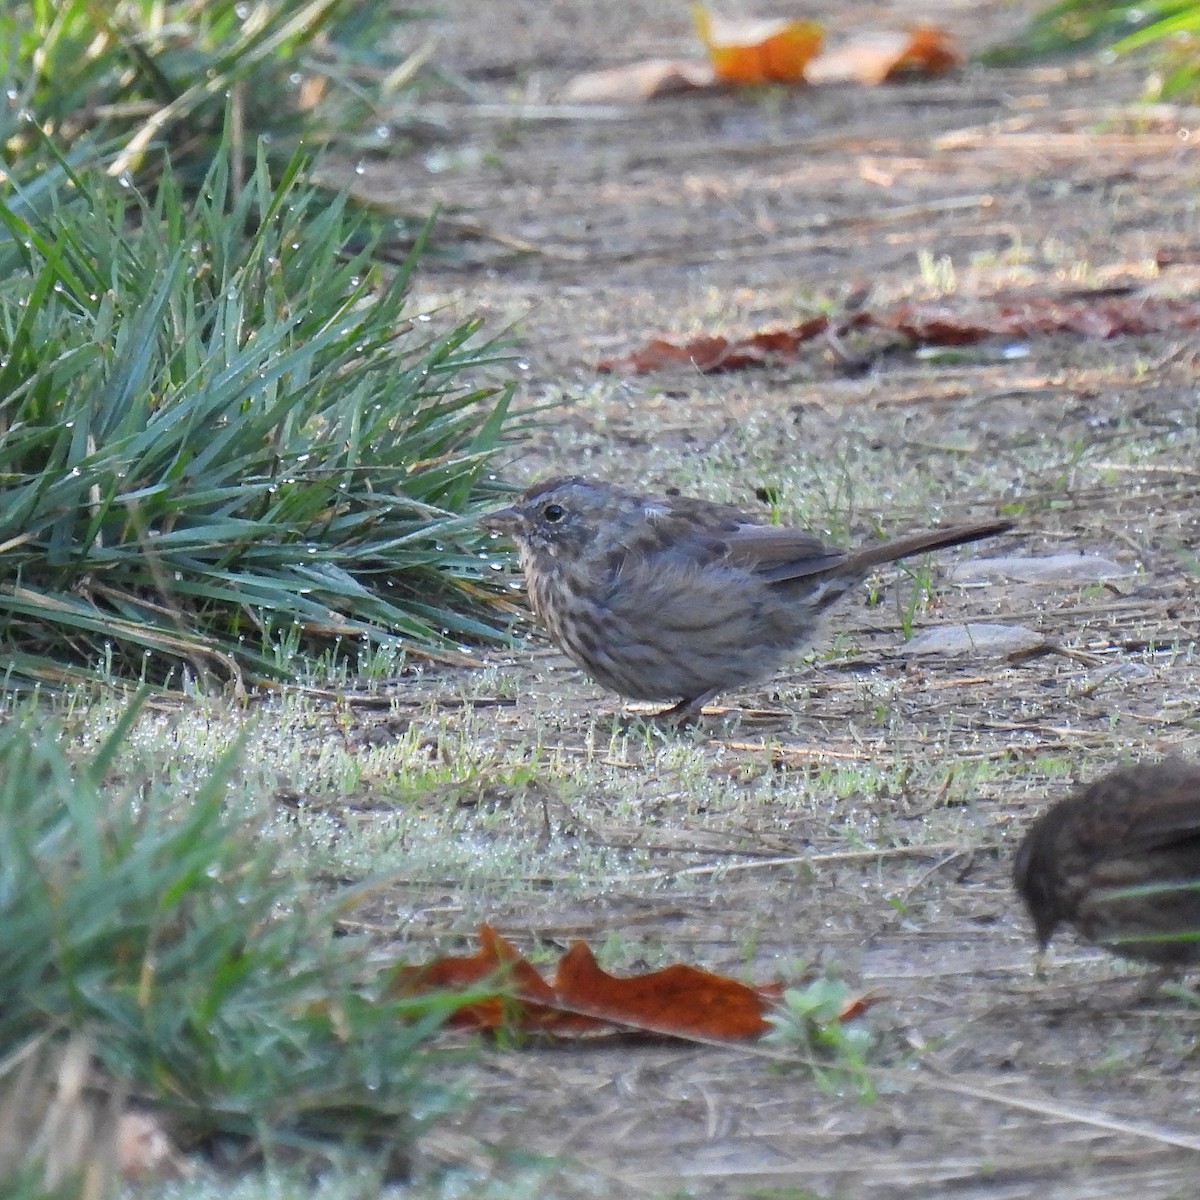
[554, 513]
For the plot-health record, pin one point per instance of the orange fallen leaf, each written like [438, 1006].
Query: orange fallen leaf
[936, 325]
[873, 58]
[774, 50]
[638, 81]
[930, 51]
[496, 960]
[856, 1006]
[1177, 256]
[677, 1001]
[1100, 317]
[710, 353]
[749, 51]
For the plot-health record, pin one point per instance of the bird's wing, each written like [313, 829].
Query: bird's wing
[1173, 821]
[778, 552]
[1170, 818]
[696, 533]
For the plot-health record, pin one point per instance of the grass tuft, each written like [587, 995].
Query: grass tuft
[1171, 27]
[161, 74]
[154, 926]
[223, 438]
[810, 1023]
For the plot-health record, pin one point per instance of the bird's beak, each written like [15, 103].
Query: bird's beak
[501, 520]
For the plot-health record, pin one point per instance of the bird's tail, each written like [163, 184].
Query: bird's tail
[866, 557]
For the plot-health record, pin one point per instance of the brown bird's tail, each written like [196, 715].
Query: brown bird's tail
[866, 557]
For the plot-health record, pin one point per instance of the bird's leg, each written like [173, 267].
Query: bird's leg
[1166, 979]
[687, 711]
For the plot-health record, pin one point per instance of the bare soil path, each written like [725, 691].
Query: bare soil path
[893, 788]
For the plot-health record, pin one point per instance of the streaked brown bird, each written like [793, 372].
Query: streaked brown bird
[1120, 861]
[669, 597]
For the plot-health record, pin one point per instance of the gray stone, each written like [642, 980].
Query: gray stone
[977, 638]
[1050, 568]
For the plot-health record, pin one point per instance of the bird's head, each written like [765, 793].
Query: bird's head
[564, 516]
[1035, 876]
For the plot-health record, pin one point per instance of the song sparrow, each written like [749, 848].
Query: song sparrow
[663, 597]
[1120, 861]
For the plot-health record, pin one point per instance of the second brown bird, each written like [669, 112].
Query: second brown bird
[1120, 861]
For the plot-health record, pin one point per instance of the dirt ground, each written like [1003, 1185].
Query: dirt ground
[858, 812]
